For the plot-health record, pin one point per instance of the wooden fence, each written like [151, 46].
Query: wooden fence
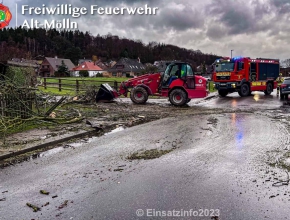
[17, 104]
[75, 84]
[82, 84]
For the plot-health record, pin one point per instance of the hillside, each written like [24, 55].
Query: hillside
[29, 43]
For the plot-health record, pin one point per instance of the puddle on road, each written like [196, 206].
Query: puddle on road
[49, 152]
[73, 145]
[115, 130]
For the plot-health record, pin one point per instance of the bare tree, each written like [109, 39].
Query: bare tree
[286, 63]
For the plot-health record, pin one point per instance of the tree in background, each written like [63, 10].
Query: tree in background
[74, 45]
[203, 68]
[151, 69]
[124, 53]
[84, 73]
[74, 54]
[20, 76]
[62, 70]
[99, 74]
[94, 59]
[286, 63]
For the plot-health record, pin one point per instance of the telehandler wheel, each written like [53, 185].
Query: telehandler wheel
[178, 97]
[223, 93]
[245, 90]
[269, 89]
[139, 95]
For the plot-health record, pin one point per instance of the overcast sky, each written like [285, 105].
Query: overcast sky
[254, 28]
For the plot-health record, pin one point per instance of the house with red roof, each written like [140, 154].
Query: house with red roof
[91, 67]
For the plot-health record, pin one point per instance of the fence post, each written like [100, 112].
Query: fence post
[77, 85]
[116, 85]
[44, 83]
[59, 85]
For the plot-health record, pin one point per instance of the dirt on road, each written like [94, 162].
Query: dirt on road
[102, 118]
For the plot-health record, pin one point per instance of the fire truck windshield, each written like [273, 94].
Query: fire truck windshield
[222, 67]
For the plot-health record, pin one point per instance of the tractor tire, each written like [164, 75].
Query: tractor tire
[178, 97]
[269, 89]
[139, 95]
[245, 90]
[223, 93]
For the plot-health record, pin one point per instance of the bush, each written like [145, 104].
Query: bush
[84, 73]
[60, 74]
[99, 75]
[20, 76]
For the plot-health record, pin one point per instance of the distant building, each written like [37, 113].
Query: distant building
[208, 69]
[92, 69]
[285, 71]
[50, 65]
[112, 63]
[84, 60]
[35, 64]
[101, 64]
[127, 67]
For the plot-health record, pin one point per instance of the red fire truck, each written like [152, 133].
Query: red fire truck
[244, 75]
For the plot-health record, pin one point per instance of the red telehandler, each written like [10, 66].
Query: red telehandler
[178, 83]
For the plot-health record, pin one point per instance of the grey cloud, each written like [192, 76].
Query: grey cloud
[184, 19]
[253, 17]
[234, 15]
[168, 19]
[215, 26]
[215, 31]
[282, 6]
[279, 3]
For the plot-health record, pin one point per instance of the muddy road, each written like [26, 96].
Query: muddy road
[257, 100]
[219, 165]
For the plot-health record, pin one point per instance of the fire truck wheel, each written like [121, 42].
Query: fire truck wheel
[282, 96]
[223, 93]
[139, 95]
[178, 97]
[269, 89]
[245, 90]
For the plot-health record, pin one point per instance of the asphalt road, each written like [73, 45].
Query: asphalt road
[257, 100]
[219, 167]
